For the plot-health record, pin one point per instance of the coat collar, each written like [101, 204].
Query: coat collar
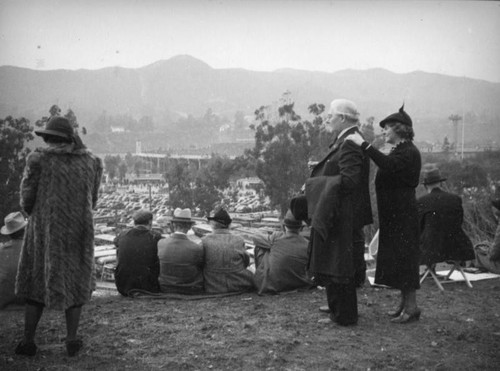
[340, 138]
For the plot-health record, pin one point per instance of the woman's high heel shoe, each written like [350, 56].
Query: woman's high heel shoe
[407, 317]
[395, 313]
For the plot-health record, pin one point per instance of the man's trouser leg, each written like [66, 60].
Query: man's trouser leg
[343, 302]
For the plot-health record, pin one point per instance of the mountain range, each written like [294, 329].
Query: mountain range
[184, 85]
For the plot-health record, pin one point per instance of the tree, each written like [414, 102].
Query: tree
[122, 170]
[210, 182]
[179, 179]
[282, 151]
[111, 165]
[14, 133]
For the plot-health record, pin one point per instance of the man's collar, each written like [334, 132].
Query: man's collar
[346, 130]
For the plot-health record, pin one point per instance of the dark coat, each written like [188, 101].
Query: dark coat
[59, 190]
[398, 252]
[441, 234]
[181, 265]
[137, 256]
[334, 256]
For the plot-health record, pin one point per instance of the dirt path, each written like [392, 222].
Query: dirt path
[459, 330]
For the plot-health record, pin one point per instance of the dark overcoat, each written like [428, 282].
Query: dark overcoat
[333, 256]
[441, 234]
[59, 190]
[398, 252]
[138, 265]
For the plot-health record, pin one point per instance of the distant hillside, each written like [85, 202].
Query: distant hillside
[184, 85]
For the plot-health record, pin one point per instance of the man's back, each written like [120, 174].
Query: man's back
[138, 266]
[442, 237]
[181, 263]
[283, 267]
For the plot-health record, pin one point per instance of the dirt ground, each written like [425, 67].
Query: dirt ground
[459, 330]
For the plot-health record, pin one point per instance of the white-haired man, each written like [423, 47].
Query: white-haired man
[337, 243]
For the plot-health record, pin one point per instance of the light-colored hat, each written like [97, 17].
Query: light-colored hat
[344, 107]
[13, 222]
[182, 215]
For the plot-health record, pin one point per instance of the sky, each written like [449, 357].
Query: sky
[458, 38]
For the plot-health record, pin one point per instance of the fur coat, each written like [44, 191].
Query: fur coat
[59, 190]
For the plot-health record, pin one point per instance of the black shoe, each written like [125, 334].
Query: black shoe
[73, 347]
[26, 349]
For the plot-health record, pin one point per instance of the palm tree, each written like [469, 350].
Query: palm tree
[454, 120]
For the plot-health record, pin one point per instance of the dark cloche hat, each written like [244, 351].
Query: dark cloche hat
[433, 176]
[58, 126]
[222, 217]
[400, 116]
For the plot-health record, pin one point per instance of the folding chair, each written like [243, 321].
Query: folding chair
[456, 265]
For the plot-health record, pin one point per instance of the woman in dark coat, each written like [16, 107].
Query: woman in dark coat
[397, 177]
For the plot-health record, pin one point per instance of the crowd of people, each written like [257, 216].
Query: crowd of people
[54, 247]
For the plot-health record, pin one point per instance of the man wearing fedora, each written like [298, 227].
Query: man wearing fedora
[226, 260]
[441, 217]
[15, 224]
[181, 260]
[281, 259]
[137, 256]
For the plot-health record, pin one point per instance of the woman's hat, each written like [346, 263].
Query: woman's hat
[13, 222]
[182, 215]
[401, 117]
[432, 176]
[222, 217]
[58, 126]
[290, 220]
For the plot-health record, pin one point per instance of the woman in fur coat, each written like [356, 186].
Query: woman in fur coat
[56, 268]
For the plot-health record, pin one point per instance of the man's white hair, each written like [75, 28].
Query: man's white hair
[344, 107]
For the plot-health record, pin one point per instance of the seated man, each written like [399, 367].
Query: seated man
[137, 256]
[488, 257]
[281, 259]
[226, 259]
[181, 260]
[441, 215]
[15, 224]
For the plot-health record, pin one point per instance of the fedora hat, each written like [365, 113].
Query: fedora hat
[401, 116]
[222, 217]
[182, 215]
[58, 126]
[13, 222]
[432, 176]
[290, 220]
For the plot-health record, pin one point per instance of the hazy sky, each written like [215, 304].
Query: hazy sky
[459, 38]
